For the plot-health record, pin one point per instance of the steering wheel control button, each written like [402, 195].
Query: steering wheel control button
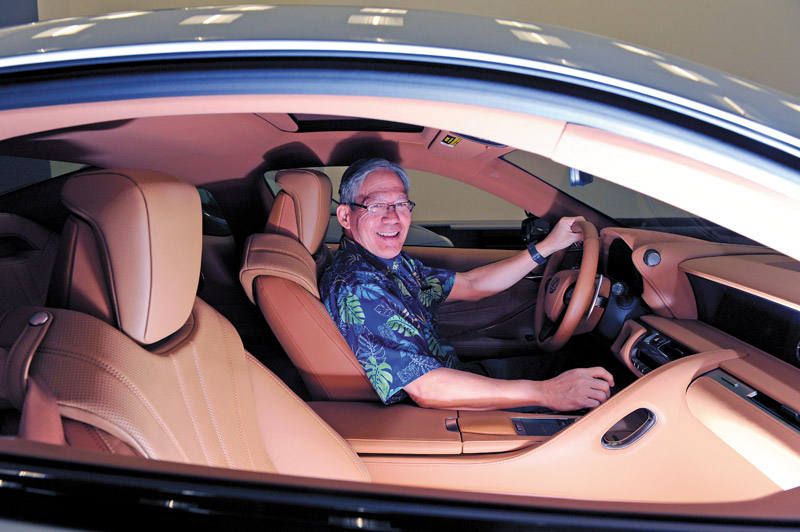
[652, 257]
[553, 285]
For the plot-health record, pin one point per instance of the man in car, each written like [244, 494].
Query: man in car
[385, 304]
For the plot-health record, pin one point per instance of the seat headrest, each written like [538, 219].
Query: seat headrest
[130, 253]
[277, 256]
[302, 208]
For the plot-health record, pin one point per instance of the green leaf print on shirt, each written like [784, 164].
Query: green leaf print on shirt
[350, 310]
[435, 348]
[402, 287]
[399, 325]
[379, 376]
[432, 291]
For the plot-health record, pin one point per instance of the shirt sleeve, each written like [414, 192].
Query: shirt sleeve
[437, 285]
[392, 345]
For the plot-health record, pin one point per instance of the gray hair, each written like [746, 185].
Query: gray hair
[357, 173]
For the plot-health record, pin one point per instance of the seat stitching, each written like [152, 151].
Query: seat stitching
[236, 400]
[94, 437]
[102, 437]
[190, 410]
[211, 412]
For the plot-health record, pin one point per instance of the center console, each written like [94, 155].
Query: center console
[372, 428]
[654, 349]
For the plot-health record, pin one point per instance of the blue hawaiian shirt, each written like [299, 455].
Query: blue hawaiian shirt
[386, 311]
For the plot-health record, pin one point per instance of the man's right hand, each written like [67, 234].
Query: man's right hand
[564, 234]
[577, 388]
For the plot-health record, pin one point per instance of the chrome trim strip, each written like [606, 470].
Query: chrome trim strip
[635, 436]
[446, 54]
[594, 304]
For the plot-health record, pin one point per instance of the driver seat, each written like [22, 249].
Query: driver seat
[134, 362]
[279, 273]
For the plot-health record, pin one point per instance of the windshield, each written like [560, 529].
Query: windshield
[626, 207]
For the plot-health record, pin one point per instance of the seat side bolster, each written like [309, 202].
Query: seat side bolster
[317, 348]
[277, 256]
[298, 441]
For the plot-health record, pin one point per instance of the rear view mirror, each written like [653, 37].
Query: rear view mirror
[579, 179]
[534, 229]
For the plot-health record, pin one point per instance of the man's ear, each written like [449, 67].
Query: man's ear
[343, 213]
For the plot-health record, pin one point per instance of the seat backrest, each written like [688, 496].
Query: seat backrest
[140, 365]
[280, 271]
[279, 275]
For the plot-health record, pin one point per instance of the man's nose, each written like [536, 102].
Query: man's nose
[391, 212]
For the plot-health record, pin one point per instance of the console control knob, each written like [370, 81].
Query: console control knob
[622, 294]
[620, 289]
[652, 257]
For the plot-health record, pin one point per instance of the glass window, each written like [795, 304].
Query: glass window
[627, 207]
[447, 213]
[18, 172]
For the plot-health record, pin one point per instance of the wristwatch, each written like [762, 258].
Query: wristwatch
[535, 255]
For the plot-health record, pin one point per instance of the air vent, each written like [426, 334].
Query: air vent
[783, 413]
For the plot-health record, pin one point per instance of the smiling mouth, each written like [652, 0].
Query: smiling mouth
[392, 234]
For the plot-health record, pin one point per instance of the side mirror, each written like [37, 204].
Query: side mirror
[534, 229]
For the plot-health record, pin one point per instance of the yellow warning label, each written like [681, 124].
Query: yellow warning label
[451, 140]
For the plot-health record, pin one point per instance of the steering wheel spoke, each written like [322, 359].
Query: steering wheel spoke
[550, 327]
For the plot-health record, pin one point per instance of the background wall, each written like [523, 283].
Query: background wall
[752, 39]
[13, 12]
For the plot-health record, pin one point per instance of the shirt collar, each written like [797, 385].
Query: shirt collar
[350, 245]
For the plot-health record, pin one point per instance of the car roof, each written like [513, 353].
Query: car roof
[421, 36]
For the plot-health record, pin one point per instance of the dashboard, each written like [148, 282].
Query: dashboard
[740, 298]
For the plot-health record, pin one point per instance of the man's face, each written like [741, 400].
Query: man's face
[382, 234]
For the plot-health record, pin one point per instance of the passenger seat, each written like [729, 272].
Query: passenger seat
[280, 273]
[135, 362]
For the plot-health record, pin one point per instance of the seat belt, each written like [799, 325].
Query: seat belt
[40, 420]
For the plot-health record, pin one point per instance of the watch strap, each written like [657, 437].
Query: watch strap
[535, 255]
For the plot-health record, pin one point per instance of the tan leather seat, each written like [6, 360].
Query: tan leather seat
[280, 271]
[138, 364]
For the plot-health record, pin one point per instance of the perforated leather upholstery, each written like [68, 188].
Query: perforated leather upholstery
[193, 394]
[280, 275]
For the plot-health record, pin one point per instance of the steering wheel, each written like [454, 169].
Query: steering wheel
[563, 312]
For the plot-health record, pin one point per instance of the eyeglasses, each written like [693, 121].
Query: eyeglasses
[401, 207]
